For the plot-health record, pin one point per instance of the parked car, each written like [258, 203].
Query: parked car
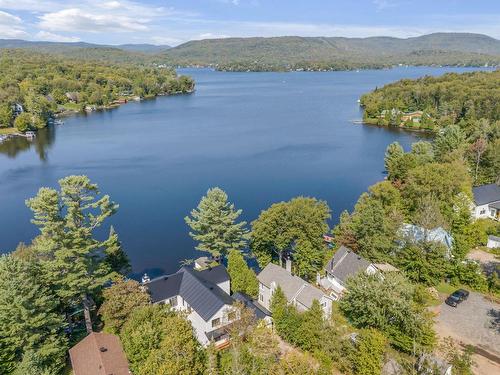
[457, 297]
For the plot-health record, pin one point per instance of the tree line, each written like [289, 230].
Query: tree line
[460, 106]
[35, 86]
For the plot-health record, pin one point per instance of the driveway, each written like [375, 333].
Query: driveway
[474, 322]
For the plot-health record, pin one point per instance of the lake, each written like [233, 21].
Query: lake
[262, 137]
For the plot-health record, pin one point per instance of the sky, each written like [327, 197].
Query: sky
[173, 22]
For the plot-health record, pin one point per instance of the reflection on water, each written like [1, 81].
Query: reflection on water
[44, 139]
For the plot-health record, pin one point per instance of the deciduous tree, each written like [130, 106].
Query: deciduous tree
[295, 228]
[120, 301]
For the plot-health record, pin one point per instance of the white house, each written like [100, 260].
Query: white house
[493, 242]
[344, 264]
[486, 202]
[203, 295]
[297, 291]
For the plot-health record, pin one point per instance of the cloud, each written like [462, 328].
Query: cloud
[11, 26]
[211, 36]
[76, 19]
[165, 40]
[51, 37]
[384, 4]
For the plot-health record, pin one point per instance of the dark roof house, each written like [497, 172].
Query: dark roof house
[198, 288]
[99, 354]
[486, 194]
[346, 263]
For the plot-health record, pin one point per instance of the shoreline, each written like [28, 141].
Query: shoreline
[368, 123]
[116, 104]
[13, 132]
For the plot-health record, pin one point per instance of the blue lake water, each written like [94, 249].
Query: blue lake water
[262, 137]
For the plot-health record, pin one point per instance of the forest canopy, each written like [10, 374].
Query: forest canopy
[34, 86]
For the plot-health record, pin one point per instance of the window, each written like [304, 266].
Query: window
[482, 212]
[261, 298]
[231, 316]
[492, 212]
[215, 322]
[172, 301]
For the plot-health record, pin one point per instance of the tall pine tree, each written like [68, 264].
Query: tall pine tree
[116, 259]
[214, 225]
[67, 220]
[30, 320]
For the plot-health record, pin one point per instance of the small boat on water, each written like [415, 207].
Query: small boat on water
[30, 134]
[3, 138]
[58, 122]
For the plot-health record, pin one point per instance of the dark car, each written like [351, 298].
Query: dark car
[457, 297]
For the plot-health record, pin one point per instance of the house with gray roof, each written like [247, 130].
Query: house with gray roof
[344, 264]
[202, 295]
[486, 202]
[297, 291]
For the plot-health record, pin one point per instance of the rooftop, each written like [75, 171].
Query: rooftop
[346, 263]
[293, 286]
[418, 233]
[99, 354]
[260, 311]
[197, 288]
[485, 194]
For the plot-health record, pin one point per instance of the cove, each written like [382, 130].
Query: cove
[262, 137]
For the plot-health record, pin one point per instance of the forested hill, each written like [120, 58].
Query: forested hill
[292, 52]
[289, 52]
[125, 53]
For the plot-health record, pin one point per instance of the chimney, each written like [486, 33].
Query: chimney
[288, 264]
[145, 278]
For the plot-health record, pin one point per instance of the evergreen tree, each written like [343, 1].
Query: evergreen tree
[279, 307]
[32, 364]
[67, 220]
[120, 300]
[243, 278]
[369, 354]
[310, 333]
[29, 318]
[115, 258]
[393, 157]
[213, 225]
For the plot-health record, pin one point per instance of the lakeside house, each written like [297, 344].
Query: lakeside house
[297, 291]
[344, 264]
[414, 117]
[99, 354]
[203, 295]
[486, 202]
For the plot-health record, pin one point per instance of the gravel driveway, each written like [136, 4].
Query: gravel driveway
[474, 322]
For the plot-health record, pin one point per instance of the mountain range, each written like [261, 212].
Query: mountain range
[277, 53]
